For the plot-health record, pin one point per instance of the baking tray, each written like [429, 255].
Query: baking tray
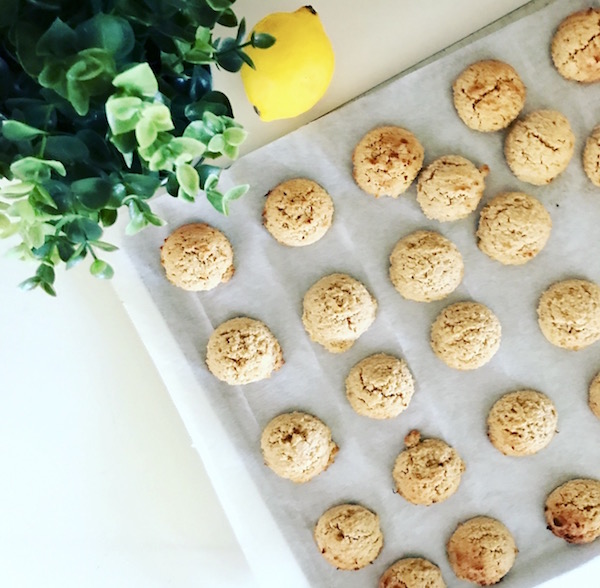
[273, 518]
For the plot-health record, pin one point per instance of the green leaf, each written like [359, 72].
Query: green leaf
[30, 284]
[108, 217]
[216, 144]
[216, 199]
[229, 57]
[4, 222]
[101, 269]
[105, 246]
[65, 249]
[220, 5]
[135, 225]
[78, 256]
[138, 79]
[143, 186]
[93, 193]
[262, 40]
[59, 40]
[32, 169]
[235, 136]
[188, 178]
[209, 175]
[230, 151]
[228, 18]
[145, 132]
[111, 33]
[123, 113]
[45, 273]
[241, 31]
[236, 192]
[17, 131]
[160, 115]
[83, 229]
[46, 287]
[16, 189]
[66, 148]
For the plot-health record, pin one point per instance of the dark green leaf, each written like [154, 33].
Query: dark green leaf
[228, 18]
[228, 56]
[219, 5]
[60, 194]
[241, 31]
[26, 36]
[59, 40]
[83, 229]
[45, 273]
[205, 171]
[262, 40]
[101, 269]
[112, 33]
[17, 131]
[143, 186]
[9, 12]
[46, 287]
[247, 59]
[93, 193]
[65, 249]
[78, 255]
[108, 217]
[66, 148]
[44, 250]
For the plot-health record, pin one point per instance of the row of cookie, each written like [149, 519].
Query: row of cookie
[481, 550]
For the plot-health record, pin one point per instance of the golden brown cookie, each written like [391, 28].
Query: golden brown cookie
[425, 266]
[594, 395]
[337, 310]
[513, 228]
[386, 161]
[427, 471]
[243, 350]
[591, 156]
[298, 212]
[539, 147]
[197, 257]
[522, 422]
[466, 335]
[569, 314]
[450, 188]
[380, 386]
[297, 446]
[573, 510]
[481, 550]
[412, 572]
[348, 536]
[488, 95]
[576, 46]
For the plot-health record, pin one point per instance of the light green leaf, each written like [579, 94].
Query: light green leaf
[101, 269]
[145, 132]
[188, 178]
[160, 115]
[36, 170]
[35, 236]
[14, 130]
[203, 34]
[23, 210]
[235, 136]
[138, 79]
[135, 225]
[16, 189]
[216, 199]
[187, 148]
[211, 182]
[216, 144]
[4, 223]
[230, 151]
[236, 192]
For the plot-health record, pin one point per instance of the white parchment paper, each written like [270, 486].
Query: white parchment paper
[271, 279]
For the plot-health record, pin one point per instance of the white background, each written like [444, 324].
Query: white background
[100, 486]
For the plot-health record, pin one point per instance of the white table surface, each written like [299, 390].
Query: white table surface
[100, 485]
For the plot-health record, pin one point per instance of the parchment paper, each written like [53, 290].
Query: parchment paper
[271, 279]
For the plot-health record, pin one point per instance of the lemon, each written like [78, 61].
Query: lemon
[293, 74]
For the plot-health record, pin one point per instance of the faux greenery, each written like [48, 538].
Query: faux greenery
[102, 102]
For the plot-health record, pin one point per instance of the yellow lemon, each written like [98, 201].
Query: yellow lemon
[293, 74]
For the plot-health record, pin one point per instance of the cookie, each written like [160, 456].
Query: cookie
[569, 314]
[348, 536]
[412, 572]
[425, 266]
[298, 212]
[513, 228]
[386, 161]
[481, 550]
[197, 257]
[539, 147]
[297, 446]
[573, 510]
[337, 310]
[466, 335]
[591, 156]
[488, 95]
[380, 386]
[427, 471]
[450, 188]
[576, 46]
[522, 422]
[594, 395]
[243, 350]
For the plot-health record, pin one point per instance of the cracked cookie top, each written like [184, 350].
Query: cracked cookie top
[427, 471]
[576, 46]
[481, 550]
[380, 386]
[539, 147]
[450, 188]
[386, 161]
[349, 536]
[573, 510]
[297, 446]
[243, 350]
[488, 95]
[569, 314]
[298, 212]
